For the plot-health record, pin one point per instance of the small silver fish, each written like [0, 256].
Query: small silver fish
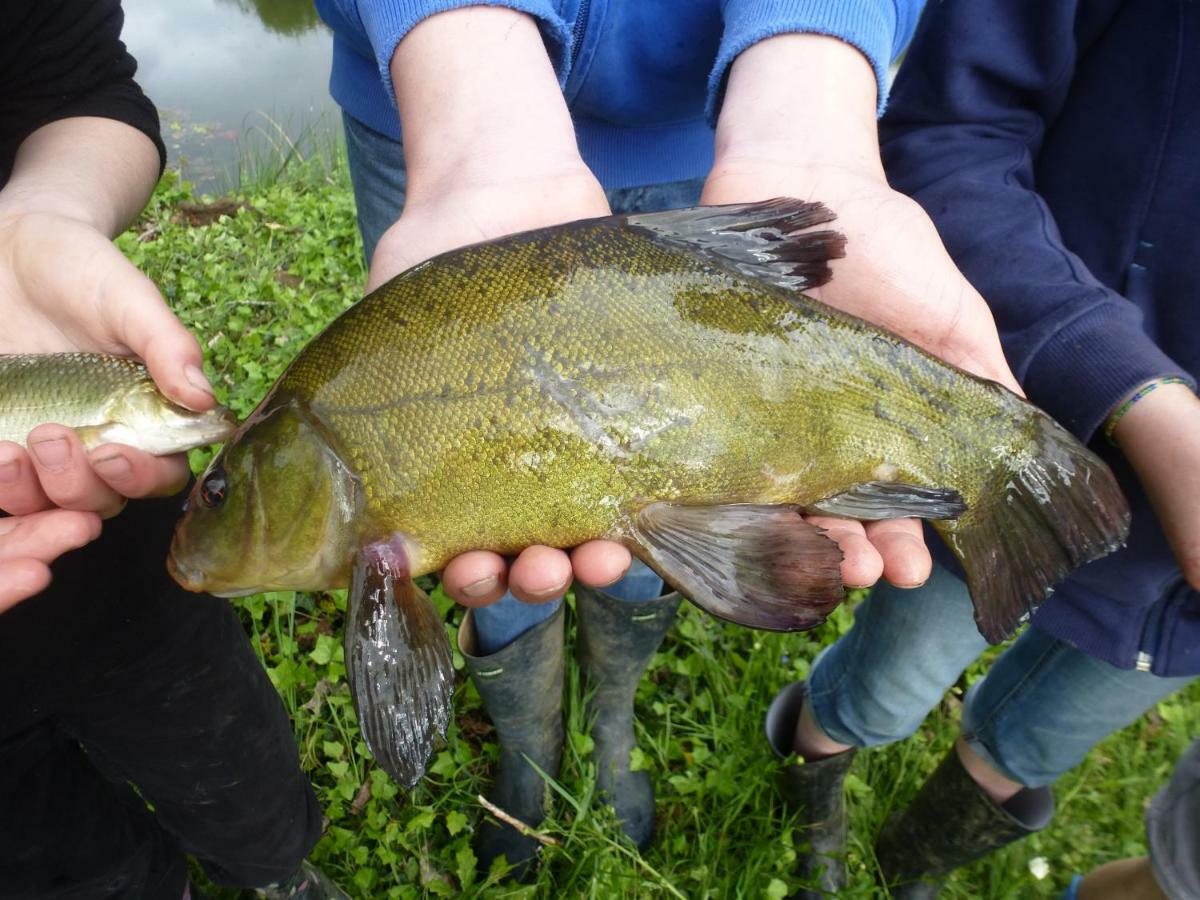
[105, 399]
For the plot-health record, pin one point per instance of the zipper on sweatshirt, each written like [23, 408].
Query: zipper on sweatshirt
[581, 18]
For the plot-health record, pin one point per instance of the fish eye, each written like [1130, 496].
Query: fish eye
[213, 488]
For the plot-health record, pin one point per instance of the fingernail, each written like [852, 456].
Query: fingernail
[549, 593]
[481, 588]
[196, 378]
[113, 467]
[52, 452]
[9, 472]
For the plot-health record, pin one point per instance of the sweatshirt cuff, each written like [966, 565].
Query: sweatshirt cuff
[1091, 365]
[868, 25]
[388, 21]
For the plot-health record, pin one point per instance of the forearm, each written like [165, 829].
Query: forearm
[97, 171]
[478, 99]
[800, 100]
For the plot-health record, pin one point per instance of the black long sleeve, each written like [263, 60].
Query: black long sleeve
[65, 58]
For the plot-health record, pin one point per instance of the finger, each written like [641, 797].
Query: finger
[475, 578]
[861, 562]
[29, 543]
[20, 491]
[46, 535]
[143, 323]
[65, 474]
[901, 545]
[132, 473]
[20, 579]
[539, 574]
[600, 563]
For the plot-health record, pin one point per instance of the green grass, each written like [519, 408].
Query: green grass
[257, 282]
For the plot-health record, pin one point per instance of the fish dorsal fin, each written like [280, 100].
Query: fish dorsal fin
[398, 662]
[760, 240]
[874, 500]
[756, 565]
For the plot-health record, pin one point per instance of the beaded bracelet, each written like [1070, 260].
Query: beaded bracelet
[1110, 426]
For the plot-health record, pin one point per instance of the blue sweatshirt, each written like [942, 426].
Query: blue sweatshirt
[643, 78]
[1056, 145]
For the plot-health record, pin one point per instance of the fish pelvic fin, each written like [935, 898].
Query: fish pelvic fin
[764, 240]
[874, 500]
[1062, 509]
[756, 565]
[398, 661]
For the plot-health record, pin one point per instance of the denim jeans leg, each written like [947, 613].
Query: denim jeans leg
[878, 682]
[1044, 704]
[379, 179]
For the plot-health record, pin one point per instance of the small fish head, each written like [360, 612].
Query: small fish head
[146, 419]
[276, 510]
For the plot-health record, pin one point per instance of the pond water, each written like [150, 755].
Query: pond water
[241, 85]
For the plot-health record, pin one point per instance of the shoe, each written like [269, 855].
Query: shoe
[814, 788]
[521, 687]
[617, 639]
[951, 822]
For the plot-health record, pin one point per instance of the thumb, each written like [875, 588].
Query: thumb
[148, 328]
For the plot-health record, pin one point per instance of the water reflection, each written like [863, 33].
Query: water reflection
[237, 82]
[282, 16]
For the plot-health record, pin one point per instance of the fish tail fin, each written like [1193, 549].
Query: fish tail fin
[1060, 510]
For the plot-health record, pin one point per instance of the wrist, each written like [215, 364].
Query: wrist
[1154, 418]
[497, 112]
[805, 101]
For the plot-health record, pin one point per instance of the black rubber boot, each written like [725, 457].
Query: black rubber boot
[521, 687]
[951, 822]
[616, 641]
[309, 883]
[815, 788]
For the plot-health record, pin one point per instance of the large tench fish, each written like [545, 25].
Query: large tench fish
[656, 379]
[105, 399]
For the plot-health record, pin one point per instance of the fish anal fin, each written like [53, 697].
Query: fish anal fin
[873, 500]
[763, 240]
[759, 566]
[398, 662]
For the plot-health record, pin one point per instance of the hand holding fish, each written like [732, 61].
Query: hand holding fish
[1160, 436]
[28, 544]
[65, 287]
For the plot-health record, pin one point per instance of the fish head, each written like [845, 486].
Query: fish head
[276, 510]
[142, 417]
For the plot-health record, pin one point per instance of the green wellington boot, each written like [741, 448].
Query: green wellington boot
[521, 687]
[815, 788]
[616, 641]
[951, 822]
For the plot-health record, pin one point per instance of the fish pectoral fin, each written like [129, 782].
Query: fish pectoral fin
[759, 566]
[758, 239]
[398, 661]
[874, 500]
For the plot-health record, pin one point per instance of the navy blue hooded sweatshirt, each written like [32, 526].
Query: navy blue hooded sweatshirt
[1056, 145]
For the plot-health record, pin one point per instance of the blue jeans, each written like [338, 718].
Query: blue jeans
[380, 182]
[1041, 707]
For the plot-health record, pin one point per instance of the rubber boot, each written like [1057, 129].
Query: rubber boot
[521, 687]
[617, 638]
[951, 822]
[814, 788]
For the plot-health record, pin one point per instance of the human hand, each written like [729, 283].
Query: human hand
[65, 287]
[896, 272]
[1160, 436]
[28, 544]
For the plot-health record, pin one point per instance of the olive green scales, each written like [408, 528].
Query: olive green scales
[656, 379]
